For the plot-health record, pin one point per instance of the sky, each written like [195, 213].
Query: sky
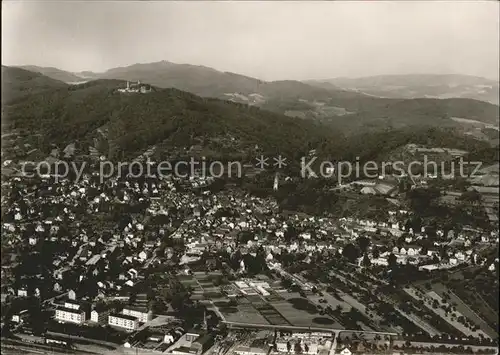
[268, 40]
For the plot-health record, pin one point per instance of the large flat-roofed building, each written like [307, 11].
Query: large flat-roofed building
[71, 315]
[72, 304]
[123, 321]
[143, 315]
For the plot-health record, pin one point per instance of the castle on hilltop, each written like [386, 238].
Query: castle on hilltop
[136, 88]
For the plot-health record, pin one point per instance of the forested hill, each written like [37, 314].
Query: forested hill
[18, 83]
[308, 98]
[59, 114]
[171, 118]
[54, 73]
[419, 85]
[134, 122]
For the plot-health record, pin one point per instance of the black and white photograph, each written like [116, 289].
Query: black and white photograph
[250, 177]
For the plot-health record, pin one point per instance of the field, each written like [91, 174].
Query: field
[302, 312]
[440, 312]
[464, 309]
[272, 315]
[478, 302]
[243, 314]
[331, 301]
[202, 284]
[275, 309]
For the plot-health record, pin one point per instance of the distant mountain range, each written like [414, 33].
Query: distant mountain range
[38, 105]
[418, 86]
[337, 101]
[54, 73]
[205, 81]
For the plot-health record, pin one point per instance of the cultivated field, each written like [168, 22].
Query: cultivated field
[464, 309]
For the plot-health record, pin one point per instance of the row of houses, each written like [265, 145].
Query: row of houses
[129, 318]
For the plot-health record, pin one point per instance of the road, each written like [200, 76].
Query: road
[11, 346]
[77, 255]
[334, 344]
[216, 310]
[90, 340]
[335, 332]
[301, 328]
[52, 299]
[427, 344]
[153, 258]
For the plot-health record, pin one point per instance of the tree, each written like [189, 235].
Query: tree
[298, 348]
[350, 252]
[471, 196]
[177, 295]
[443, 252]
[363, 243]
[392, 261]
[338, 310]
[234, 262]
[366, 261]
[435, 259]
[287, 283]
[291, 233]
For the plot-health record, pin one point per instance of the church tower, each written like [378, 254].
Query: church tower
[276, 182]
[205, 324]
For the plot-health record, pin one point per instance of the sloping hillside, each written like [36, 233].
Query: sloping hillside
[59, 114]
[135, 122]
[54, 73]
[282, 96]
[351, 110]
[209, 82]
[169, 118]
[419, 86]
[18, 83]
[382, 113]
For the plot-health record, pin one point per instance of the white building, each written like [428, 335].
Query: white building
[262, 290]
[99, 316]
[19, 317]
[70, 315]
[143, 315]
[71, 305]
[281, 346]
[123, 321]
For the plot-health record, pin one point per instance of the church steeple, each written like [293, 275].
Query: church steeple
[205, 325]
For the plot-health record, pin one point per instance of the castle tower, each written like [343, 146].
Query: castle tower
[128, 85]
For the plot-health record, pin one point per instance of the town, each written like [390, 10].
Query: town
[177, 265]
[250, 178]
